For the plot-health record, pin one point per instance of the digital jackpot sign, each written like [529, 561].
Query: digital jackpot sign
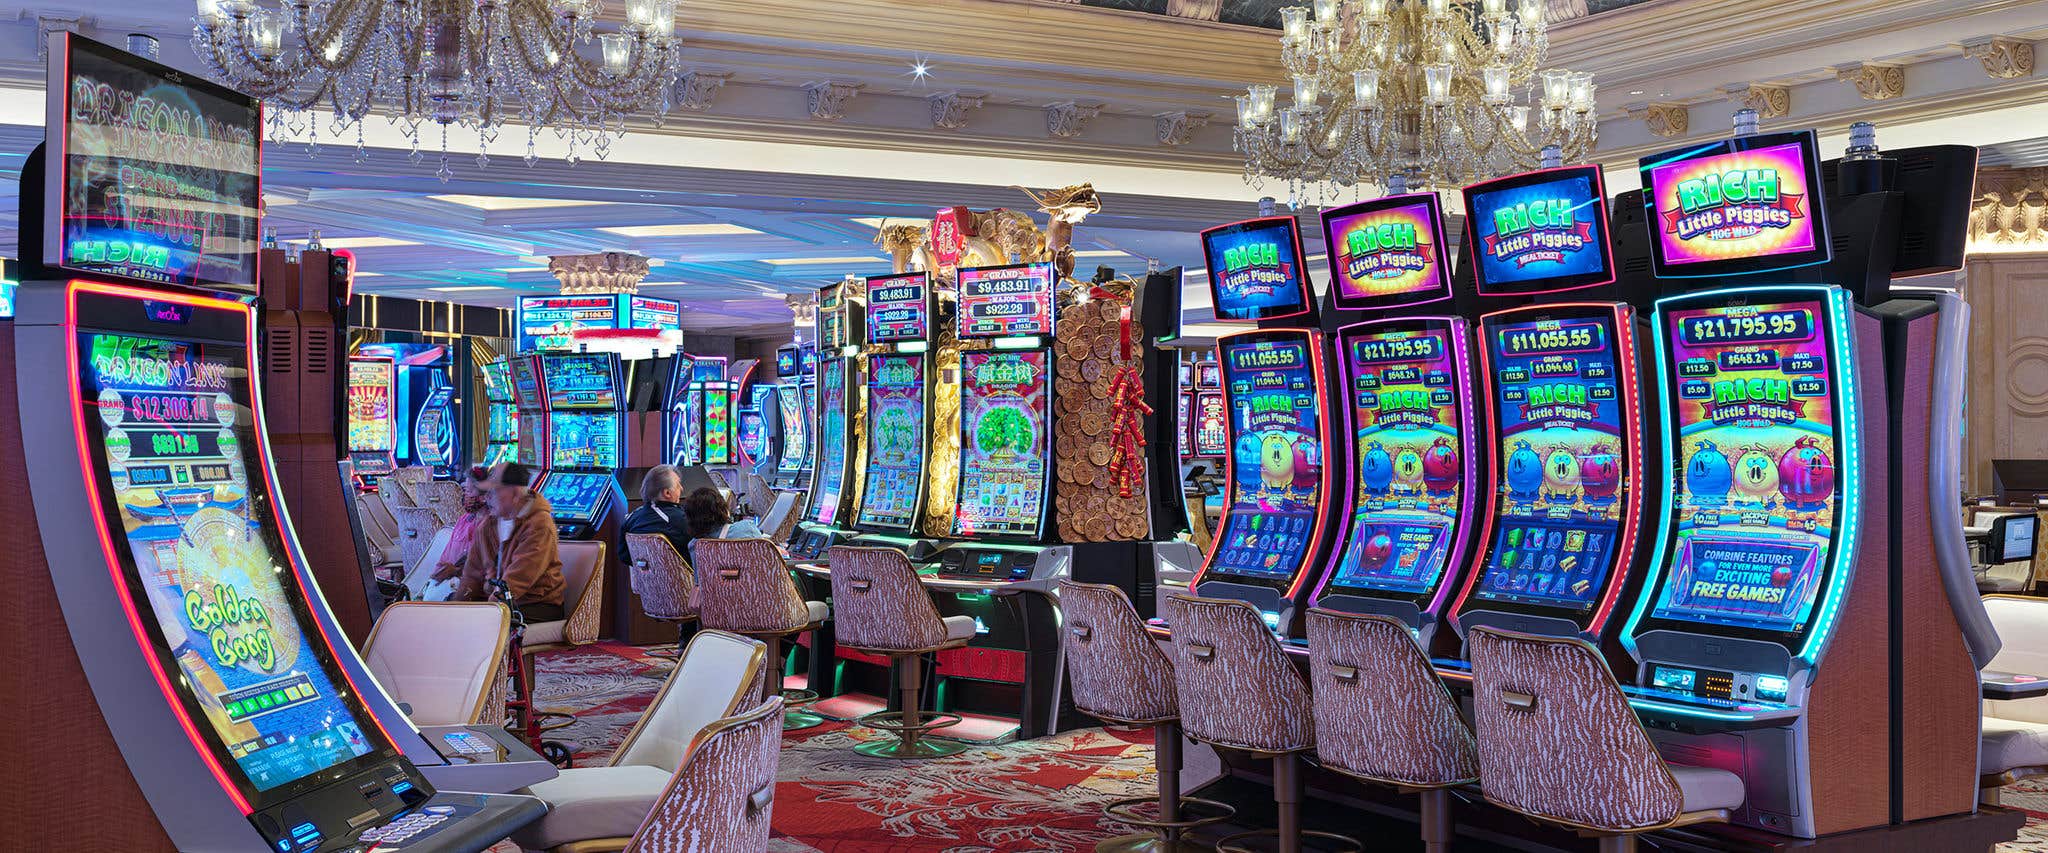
[1408, 476]
[1744, 205]
[896, 441]
[554, 323]
[1562, 464]
[1539, 232]
[159, 177]
[899, 308]
[585, 381]
[1276, 462]
[1007, 301]
[1388, 252]
[1255, 269]
[1005, 443]
[1756, 514]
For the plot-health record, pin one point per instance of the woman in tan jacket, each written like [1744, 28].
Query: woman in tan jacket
[521, 551]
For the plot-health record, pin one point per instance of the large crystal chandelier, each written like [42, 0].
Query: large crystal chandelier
[428, 64]
[1438, 91]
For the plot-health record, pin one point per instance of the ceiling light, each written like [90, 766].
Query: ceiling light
[365, 274]
[799, 262]
[276, 200]
[695, 229]
[361, 242]
[520, 269]
[502, 202]
[1101, 253]
[463, 289]
[920, 69]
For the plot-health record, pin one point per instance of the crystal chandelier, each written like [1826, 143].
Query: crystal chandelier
[477, 64]
[1437, 91]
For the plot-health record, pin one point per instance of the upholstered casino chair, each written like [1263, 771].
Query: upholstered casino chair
[2014, 741]
[664, 582]
[744, 586]
[444, 497]
[1559, 743]
[1239, 691]
[1383, 716]
[883, 609]
[722, 799]
[599, 808]
[1119, 675]
[416, 526]
[380, 531]
[582, 593]
[439, 660]
[418, 577]
[781, 517]
[405, 484]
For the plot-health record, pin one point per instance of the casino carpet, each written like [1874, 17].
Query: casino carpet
[1041, 796]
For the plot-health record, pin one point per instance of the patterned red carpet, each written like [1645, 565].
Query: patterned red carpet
[1042, 795]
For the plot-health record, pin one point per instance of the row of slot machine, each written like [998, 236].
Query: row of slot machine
[1702, 432]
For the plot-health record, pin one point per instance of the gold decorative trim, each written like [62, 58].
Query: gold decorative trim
[1769, 101]
[1875, 81]
[2003, 57]
[1663, 119]
[2010, 213]
[1199, 10]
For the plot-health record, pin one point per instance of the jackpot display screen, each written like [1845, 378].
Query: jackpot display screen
[1005, 442]
[552, 323]
[1744, 205]
[1562, 464]
[1009, 301]
[159, 178]
[1539, 232]
[575, 495]
[497, 382]
[1276, 461]
[179, 475]
[796, 432]
[583, 439]
[586, 381]
[1212, 424]
[718, 426]
[525, 384]
[899, 308]
[1406, 418]
[828, 483]
[1754, 418]
[1388, 252]
[894, 488]
[371, 423]
[1255, 269]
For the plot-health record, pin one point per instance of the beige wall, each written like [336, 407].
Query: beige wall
[2008, 371]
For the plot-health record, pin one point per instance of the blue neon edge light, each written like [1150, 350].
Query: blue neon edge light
[1849, 402]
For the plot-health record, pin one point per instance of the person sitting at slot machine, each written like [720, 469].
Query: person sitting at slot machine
[524, 553]
[711, 518]
[661, 510]
[476, 513]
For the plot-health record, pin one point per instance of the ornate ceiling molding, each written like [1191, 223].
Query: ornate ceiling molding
[1177, 127]
[2003, 58]
[1068, 119]
[1769, 101]
[1664, 120]
[2011, 211]
[949, 109]
[695, 89]
[826, 100]
[1875, 81]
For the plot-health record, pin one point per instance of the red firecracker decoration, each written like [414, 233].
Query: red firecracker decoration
[1127, 408]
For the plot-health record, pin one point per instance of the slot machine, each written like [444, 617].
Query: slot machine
[752, 428]
[530, 408]
[583, 399]
[372, 418]
[901, 370]
[501, 426]
[827, 395]
[1411, 433]
[685, 434]
[216, 704]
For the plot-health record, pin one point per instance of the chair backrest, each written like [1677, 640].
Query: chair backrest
[717, 676]
[420, 573]
[782, 510]
[408, 480]
[444, 497]
[723, 797]
[878, 604]
[376, 515]
[666, 584]
[439, 658]
[582, 588]
[1381, 712]
[743, 585]
[416, 526]
[1236, 686]
[1557, 739]
[1117, 671]
[2022, 624]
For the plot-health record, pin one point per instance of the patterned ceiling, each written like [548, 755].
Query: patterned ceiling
[1266, 13]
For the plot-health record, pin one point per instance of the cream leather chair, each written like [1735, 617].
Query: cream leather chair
[780, 516]
[2014, 741]
[593, 809]
[583, 579]
[440, 660]
[380, 530]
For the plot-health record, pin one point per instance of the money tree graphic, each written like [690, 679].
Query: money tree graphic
[1004, 431]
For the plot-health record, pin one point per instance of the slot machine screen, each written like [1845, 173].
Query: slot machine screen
[1208, 374]
[583, 439]
[575, 495]
[525, 385]
[584, 381]
[807, 401]
[753, 433]
[1745, 205]
[899, 308]
[1388, 252]
[718, 425]
[1006, 301]
[1005, 443]
[1562, 465]
[807, 360]
[786, 362]
[1273, 396]
[497, 382]
[178, 473]
[1212, 424]
[1255, 269]
[1184, 432]
[371, 424]
[832, 332]
[1539, 232]
[828, 482]
[896, 442]
[796, 432]
[1407, 421]
[1757, 430]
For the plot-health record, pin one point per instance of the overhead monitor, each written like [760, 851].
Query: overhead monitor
[1539, 232]
[1745, 205]
[1388, 252]
[1256, 269]
[786, 364]
[899, 308]
[1006, 301]
[1005, 443]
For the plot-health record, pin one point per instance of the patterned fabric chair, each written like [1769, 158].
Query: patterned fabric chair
[444, 497]
[1119, 675]
[883, 609]
[440, 660]
[665, 583]
[408, 482]
[416, 526]
[744, 586]
[1559, 743]
[1383, 716]
[1239, 691]
[599, 808]
[723, 797]
[2013, 743]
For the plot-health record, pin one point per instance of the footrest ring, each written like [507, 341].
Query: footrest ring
[1126, 811]
[926, 722]
[797, 697]
[1345, 843]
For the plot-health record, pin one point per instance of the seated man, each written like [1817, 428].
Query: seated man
[522, 551]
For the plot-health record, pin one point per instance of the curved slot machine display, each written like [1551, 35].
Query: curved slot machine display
[372, 420]
[899, 412]
[685, 434]
[501, 430]
[827, 397]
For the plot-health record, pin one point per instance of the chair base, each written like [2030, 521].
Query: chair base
[1146, 842]
[1158, 840]
[914, 750]
[796, 718]
[1320, 842]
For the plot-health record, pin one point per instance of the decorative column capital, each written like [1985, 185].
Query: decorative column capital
[1875, 81]
[1068, 119]
[826, 99]
[949, 109]
[1769, 101]
[2003, 57]
[599, 272]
